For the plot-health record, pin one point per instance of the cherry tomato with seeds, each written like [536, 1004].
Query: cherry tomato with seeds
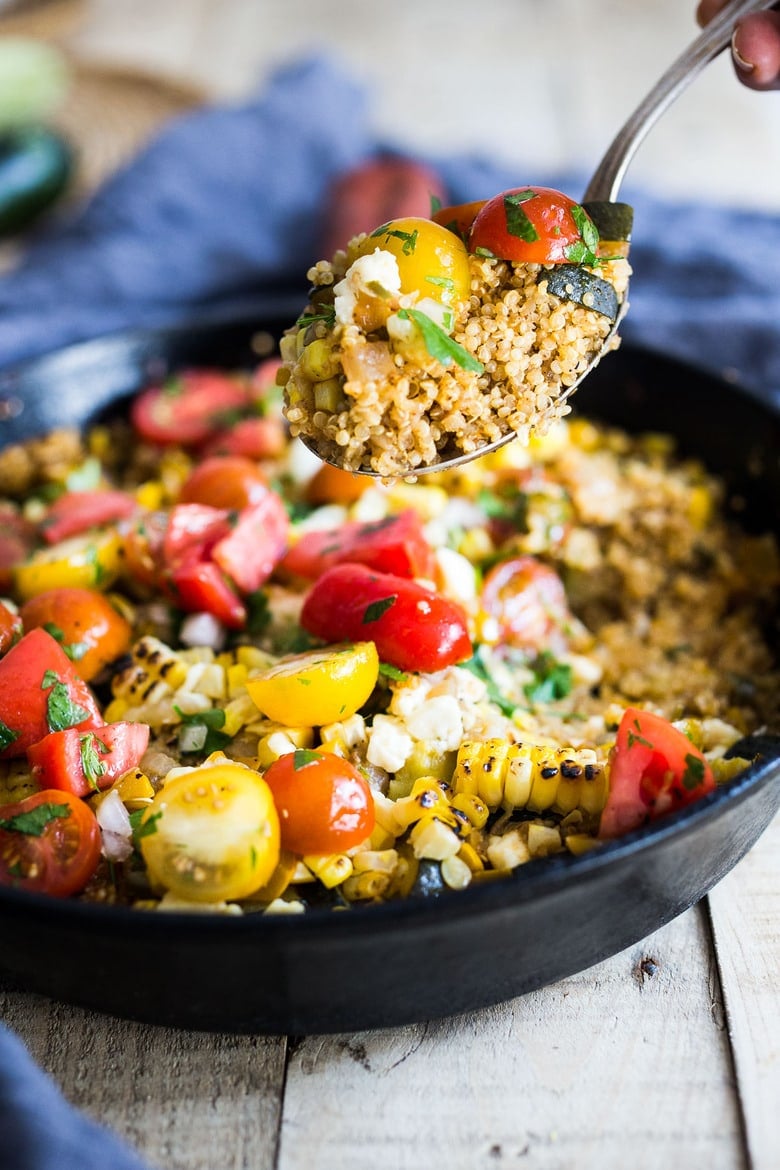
[82, 762]
[534, 225]
[190, 407]
[10, 628]
[49, 843]
[396, 545]
[528, 600]
[84, 622]
[324, 803]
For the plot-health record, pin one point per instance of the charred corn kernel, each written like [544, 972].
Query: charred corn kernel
[331, 870]
[252, 658]
[238, 712]
[384, 811]
[543, 839]
[159, 661]
[196, 655]
[319, 362]
[530, 776]
[426, 797]
[362, 886]
[428, 500]
[207, 678]
[455, 873]
[433, 839]
[508, 851]
[279, 879]
[16, 781]
[468, 854]
[281, 742]
[340, 738]
[475, 809]
[150, 495]
[91, 561]
[236, 675]
[115, 710]
[375, 860]
[579, 843]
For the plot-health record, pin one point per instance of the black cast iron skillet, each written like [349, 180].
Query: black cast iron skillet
[413, 960]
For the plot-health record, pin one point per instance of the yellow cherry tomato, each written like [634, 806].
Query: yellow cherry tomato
[431, 260]
[212, 834]
[82, 562]
[318, 687]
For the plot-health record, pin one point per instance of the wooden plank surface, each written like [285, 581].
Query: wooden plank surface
[745, 911]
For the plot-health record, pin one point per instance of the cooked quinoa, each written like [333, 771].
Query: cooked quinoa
[368, 400]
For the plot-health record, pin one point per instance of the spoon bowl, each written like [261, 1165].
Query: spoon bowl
[604, 187]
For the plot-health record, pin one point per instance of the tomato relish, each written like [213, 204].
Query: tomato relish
[234, 679]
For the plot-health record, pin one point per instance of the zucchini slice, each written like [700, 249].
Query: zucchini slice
[572, 282]
[613, 221]
[35, 167]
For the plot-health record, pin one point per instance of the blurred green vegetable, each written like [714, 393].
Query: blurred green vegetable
[35, 167]
[34, 78]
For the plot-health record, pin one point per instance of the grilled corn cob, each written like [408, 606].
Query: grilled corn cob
[513, 776]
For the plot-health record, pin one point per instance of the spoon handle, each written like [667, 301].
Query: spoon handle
[605, 184]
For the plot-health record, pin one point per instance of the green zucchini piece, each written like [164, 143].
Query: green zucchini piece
[572, 282]
[35, 167]
[613, 221]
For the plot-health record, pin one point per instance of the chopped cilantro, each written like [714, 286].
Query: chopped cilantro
[409, 238]
[485, 253]
[74, 650]
[517, 222]
[439, 344]
[50, 677]
[586, 227]
[552, 680]
[375, 610]
[327, 314]
[693, 775]
[61, 711]
[634, 739]
[435, 204]
[172, 387]
[33, 822]
[143, 828]
[580, 253]
[390, 671]
[91, 764]
[258, 612]
[7, 736]
[302, 757]
[441, 282]
[211, 720]
[477, 667]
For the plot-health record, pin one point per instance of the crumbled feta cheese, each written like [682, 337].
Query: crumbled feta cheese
[457, 574]
[438, 722]
[389, 746]
[378, 267]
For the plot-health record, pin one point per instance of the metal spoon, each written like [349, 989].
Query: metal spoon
[604, 186]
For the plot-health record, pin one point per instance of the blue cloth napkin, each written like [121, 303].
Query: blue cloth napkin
[223, 209]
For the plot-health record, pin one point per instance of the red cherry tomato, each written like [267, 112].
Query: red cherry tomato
[395, 545]
[412, 627]
[324, 804]
[193, 528]
[198, 586]
[528, 601]
[17, 540]
[142, 546]
[251, 438]
[332, 485]
[459, 218]
[534, 225]
[76, 512]
[229, 481]
[254, 545]
[81, 762]
[41, 692]
[49, 842]
[10, 628]
[84, 622]
[654, 770]
[189, 408]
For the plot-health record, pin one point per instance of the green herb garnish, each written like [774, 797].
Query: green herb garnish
[390, 671]
[33, 822]
[693, 775]
[435, 205]
[478, 667]
[327, 314]
[92, 765]
[143, 828]
[212, 719]
[552, 680]
[517, 222]
[302, 757]
[409, 238]
[61, 711]
[439, 345]
[7, 736]
[375, 610]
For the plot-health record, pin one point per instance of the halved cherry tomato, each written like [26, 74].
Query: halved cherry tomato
[86, 625]
[83, 562]
[251, 438]
[17, 540]
[10, 628]
[49, 842]
[324, 804]
[534, 225]
[199, 586]
[396, 545]
[193, 528]
[142, 547]
[528, 601]
[76, 512]
[318, 687]
[190, 407]
[228, 481]
[459, 218]
[333, 485]
[412, 627]
[254, 545]
[82, 762]
[41, 692]
[212, 833]
[654, 770]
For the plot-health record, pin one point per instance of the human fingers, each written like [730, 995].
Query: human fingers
[755, 49]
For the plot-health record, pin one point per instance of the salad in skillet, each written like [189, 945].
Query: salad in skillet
[236, 680]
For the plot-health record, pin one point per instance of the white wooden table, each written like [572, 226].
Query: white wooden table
[667, 1055]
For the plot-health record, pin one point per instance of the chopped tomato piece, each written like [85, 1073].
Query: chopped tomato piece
[142, 545]
[84, 622]
[199, 586]
[192, 528]
[17, 540]
[534, 225]
[654, 770]
[324, 804]
[528, 601]
[412, 627]
[81, 762]
[10, 628]
[252, 438]
[49, 843]
[229, 481]
[75, 512]
[41, 692]
[252, 548]
[189, 407]
[395, 545]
